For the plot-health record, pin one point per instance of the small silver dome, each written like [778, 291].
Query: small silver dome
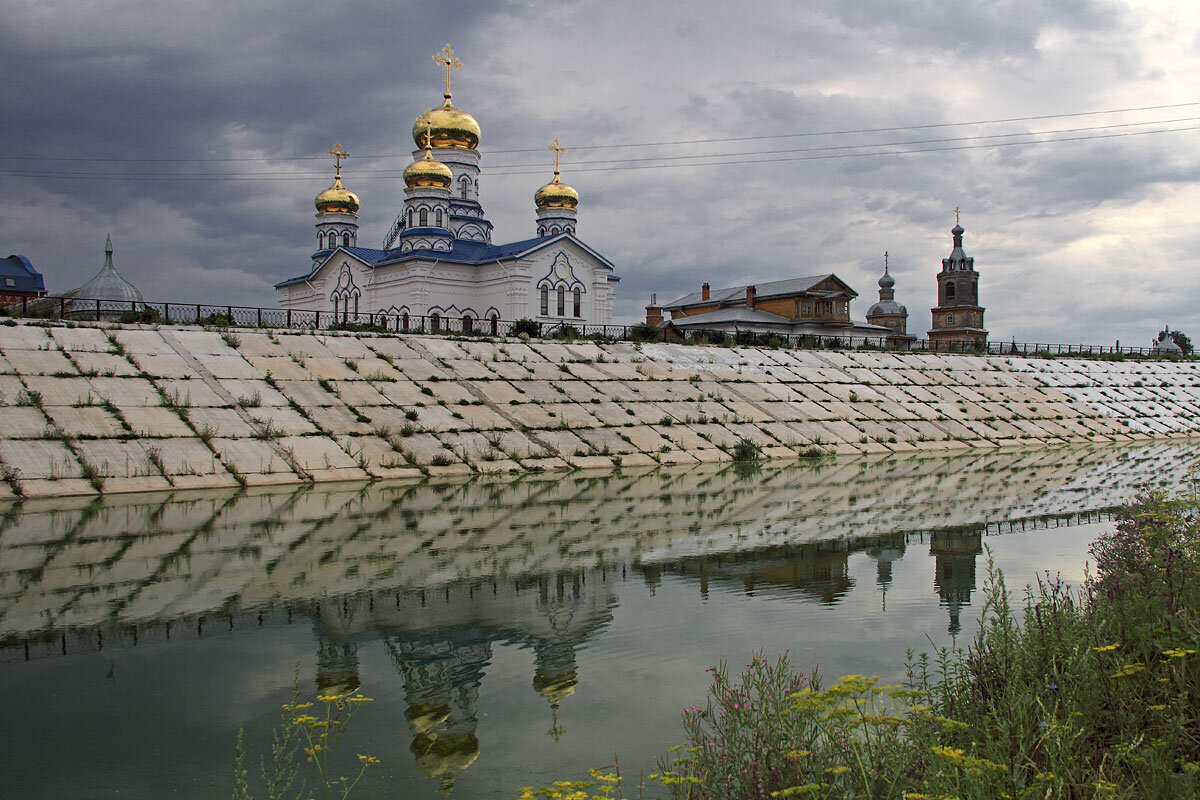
[108, 283]
[886, 307]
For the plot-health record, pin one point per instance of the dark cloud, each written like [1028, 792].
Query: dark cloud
[141, 81]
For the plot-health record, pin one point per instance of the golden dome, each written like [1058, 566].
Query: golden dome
[556, 194]
[428, 172]
[555, 688]
[337, 199]
[449, 127]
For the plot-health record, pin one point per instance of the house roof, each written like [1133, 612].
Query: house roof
[465, 252]
[762, 291]
[730, 314]
[22, 274]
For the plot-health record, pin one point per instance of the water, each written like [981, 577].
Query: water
[511, 631]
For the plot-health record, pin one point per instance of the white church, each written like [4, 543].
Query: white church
[438, 261]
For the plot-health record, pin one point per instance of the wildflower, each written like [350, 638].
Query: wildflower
[1178, 652]
[1107, 648]
[1129, 669]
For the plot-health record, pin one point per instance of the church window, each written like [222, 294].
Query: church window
[464, 187]
[435, 322]
[949, 291]
[545, 297]
[438, 217]
[424, 217]
[410, 217]
[972, 289]
[468, 324]
[577, 299]
[495, 323]
[949, 319]
[345, 240]
[404, 321]
[562, 301]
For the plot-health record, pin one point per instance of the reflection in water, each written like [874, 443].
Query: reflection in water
[440, 575]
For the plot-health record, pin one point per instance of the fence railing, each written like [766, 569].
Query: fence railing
[218, 315]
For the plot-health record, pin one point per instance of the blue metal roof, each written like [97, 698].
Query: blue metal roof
[465, 252]
[22, 274]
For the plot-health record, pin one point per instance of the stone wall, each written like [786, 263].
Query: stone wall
[86, 408]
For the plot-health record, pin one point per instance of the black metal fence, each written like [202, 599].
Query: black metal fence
[68, 308]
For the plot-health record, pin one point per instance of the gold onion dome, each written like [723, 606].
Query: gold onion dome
[448, 126]
[556, 194]
[337, 199]
[428, 172]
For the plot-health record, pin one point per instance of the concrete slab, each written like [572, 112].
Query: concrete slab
[286, 421]
[86, 340]
[308, 394]
[359, 393]
[373, 368]
[380, 458]
[321, 458]
[154, 421]
[190, 394]
[86, 421]
[40, 362]
[22, 422]
[25, 337]
[39, 459]
[61, 391]
[251, 457]
[252, 393]
[225, 422]
[133, 340]
[126, 391]
[331, 369]
[233, 366]
[282, 368]
[337, 420]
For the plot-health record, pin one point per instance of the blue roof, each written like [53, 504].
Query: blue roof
[465, 252]
[22, 274]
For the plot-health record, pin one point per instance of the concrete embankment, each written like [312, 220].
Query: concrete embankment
[94, 408]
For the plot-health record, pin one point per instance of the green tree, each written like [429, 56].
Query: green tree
[1179, 337]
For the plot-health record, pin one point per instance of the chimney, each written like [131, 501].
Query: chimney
[704, 292]
[654, 314]
[749, 297]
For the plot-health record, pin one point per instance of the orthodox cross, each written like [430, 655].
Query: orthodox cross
[447, 59]
[338, 154]
[956, 215]
[885, 262]
[428, 134]
[558, 150]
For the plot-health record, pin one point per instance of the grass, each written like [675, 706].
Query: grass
[1068, 693]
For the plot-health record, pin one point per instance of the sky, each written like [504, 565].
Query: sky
[816, 135]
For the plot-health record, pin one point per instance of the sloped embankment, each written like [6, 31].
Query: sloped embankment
[133, 408]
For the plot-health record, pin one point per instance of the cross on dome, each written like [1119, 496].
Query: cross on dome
[446, 57]
[558, 150]
[338, 154]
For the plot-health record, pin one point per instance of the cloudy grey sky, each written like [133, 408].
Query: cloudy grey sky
[107, 104]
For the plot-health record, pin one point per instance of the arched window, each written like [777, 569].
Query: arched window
[464, 187]
[468, 324]
[562, 301]
[435, 322]
[404, 320]
[438, 218]
[345, 240]
[578, 296]
[410, 218]
[545, 300]
[495, 323]
[949, 291]
[424, 217]
[949, 319]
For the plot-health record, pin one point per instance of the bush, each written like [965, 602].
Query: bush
[645, 333]
[746, 450]
[525, 326]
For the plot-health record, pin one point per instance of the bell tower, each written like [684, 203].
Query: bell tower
[958, 317]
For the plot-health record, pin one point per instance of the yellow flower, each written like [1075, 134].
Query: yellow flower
[1129, 669]
[1178, 652]
[1107, 648]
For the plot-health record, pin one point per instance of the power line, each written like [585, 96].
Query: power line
[623, 145]
[525, 169]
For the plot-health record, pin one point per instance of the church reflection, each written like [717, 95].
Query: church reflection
[441, 645]
[439, 576]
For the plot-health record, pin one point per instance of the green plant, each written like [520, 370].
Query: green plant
[525, 326]
[313, 736]
[252, 401]
[441, 460]
[411, 415]
[746, 450]
[232, 339]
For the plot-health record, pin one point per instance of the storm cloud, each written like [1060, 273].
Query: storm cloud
[195, 133]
